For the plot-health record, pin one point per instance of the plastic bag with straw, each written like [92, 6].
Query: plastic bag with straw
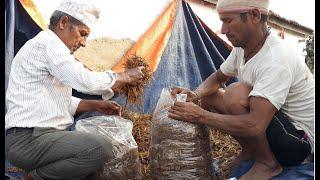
[125, 163]
[178, 150]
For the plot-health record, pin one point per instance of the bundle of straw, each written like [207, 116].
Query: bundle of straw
[134, 92]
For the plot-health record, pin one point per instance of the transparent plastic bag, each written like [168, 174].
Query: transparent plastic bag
[178, 150]
[125, 163]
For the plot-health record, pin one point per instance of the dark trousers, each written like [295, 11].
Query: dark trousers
[289, 145]
[56, 154]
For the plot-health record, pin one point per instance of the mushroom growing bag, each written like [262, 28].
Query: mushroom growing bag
[125, 163]
[178, 150]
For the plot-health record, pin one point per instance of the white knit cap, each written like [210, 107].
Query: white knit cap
[240, 6]
[83, 10]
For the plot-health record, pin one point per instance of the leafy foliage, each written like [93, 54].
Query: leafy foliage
[309, 49]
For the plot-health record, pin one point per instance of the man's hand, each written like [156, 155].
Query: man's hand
[191, 96]
[103, 106]
[130, 76]
[108, 107]
[186, 111]
[117, 87]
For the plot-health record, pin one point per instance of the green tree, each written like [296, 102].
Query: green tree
[309, 49]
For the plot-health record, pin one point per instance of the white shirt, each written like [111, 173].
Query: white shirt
[42, 76]
[278, 74]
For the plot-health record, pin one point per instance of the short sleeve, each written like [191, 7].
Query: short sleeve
[229, 66]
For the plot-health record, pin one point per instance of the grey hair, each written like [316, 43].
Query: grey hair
[55, 17]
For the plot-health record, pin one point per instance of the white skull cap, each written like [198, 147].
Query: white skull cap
[240, 6]
[83, 10]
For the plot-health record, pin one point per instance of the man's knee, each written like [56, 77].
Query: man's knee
[235, 98]
[98, 147]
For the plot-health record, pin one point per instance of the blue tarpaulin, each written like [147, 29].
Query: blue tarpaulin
[19, 28]
[301, 172]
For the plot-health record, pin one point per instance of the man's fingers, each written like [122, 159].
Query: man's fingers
[141, 68]
[176, 111]
[116, 104]
[116, 108]
[118, 112]
[176, 90]
[176, 108]
[179, 104]
[174, 116]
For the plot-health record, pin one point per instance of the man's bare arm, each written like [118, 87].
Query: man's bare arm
[246, 125]
[212, 84]
[103, 106]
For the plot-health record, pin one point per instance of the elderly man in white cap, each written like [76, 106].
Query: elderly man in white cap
[40, 105]
[270, 111]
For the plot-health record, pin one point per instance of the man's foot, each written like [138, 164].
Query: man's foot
[243, 156]
[262, 170]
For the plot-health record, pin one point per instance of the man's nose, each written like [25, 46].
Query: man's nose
[224, 29]
[83, 42]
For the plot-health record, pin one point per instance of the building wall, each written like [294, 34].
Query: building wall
[292, 38]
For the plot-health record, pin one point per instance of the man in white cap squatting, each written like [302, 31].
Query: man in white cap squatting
[270, 111]
[40, 103]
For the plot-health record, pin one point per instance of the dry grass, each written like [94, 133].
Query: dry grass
[133, 92]
[141, 133]
[225, 148]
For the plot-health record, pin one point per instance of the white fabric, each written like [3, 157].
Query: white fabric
[83, 10]
[240, 6]
[39, 91]
[278, 74]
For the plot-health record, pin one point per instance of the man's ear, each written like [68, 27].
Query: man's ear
[64, 20]
[255, 15]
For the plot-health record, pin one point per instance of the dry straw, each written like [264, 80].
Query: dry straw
[134, 92]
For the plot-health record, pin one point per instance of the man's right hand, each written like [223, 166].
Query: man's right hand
[130, 76]
[191, 96]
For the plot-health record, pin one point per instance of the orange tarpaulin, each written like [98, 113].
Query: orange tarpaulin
[153, 42]
[34, 13]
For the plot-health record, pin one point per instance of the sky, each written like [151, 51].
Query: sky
[301, 11]
[123, 15]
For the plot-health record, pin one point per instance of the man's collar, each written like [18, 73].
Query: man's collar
[57, 38]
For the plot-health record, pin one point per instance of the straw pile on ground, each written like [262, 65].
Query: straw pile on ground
[225, 149]
[133, 92]
[141, 133]
[224, 146]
